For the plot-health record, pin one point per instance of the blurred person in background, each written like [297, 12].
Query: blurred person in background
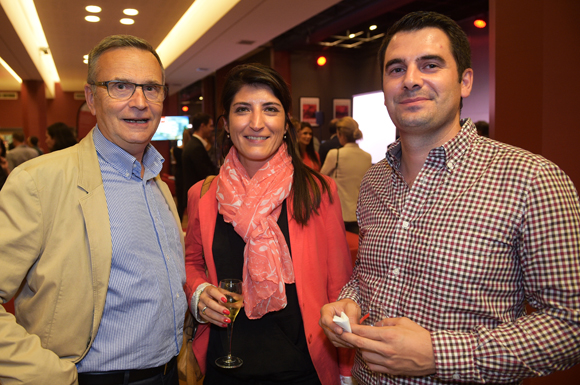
[306, 147]
[20, 153]
[59, 136]
[347, 166]
[265, 215]
[329, 144]
[33, 142]
[4, 171]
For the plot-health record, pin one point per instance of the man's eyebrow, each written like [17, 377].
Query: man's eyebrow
[432, 57]
[393, 61]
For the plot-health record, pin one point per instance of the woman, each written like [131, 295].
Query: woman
[306, 146]
[59, 136]
[347, 166]
[265, 215]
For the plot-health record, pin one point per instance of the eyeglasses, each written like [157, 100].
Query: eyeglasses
[125, 90]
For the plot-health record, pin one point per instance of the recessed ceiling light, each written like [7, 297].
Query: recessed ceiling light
[130, 12]
[92, 18]
[352, 35]
[127, 21]
[373, 27]
[93, 9]
[201, 98]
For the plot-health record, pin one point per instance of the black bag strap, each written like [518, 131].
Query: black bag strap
[336, 167]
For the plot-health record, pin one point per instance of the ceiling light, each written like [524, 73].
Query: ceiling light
[373, 27]
[201, 98]
[321, 61]
[130, 12]
[93, 9]
[24, 19]
[479, 23]
[351, 36]
[191, 27]
[10, 71]
[127, 21]
[92, 18]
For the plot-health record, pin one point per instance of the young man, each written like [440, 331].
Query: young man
[458, 232]
[91, 242]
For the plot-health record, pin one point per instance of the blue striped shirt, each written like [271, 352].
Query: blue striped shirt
[142, 322]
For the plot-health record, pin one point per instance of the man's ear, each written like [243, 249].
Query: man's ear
[90, 98]
[466, 82]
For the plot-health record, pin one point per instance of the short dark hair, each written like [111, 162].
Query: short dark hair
[33, 140]
[307, 185]
[415, 21]
[118, 41]
[17, 136]
[198, 119]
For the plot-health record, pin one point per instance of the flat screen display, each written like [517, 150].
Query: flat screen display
[372, 117]
[171, 128]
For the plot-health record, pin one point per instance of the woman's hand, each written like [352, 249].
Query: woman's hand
[212, 306]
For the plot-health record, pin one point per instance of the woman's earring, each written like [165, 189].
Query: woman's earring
[228, 135]
[284, 136]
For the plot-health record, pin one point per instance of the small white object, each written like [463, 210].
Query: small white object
[343, 322]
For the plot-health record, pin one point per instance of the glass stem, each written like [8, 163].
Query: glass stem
[230, 331]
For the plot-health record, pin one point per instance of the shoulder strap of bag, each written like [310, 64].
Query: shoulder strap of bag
[206, 184]
[336, 167]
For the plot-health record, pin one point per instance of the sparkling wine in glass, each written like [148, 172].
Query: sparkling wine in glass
[235, 300]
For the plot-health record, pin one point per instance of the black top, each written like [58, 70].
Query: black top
[196, 165]
[273, 348]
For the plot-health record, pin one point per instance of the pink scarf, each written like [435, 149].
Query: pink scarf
[253, 207]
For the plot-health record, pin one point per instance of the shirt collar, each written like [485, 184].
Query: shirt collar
[202, 140]
[449, 154]
[125, 163]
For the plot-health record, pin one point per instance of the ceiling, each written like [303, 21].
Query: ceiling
[249, 25]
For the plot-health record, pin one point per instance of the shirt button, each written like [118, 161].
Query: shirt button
[450, 165]
[406, 225]
[396, 271]
[456, 376]
[177, 295]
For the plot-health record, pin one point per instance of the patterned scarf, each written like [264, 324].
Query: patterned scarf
[253, 207]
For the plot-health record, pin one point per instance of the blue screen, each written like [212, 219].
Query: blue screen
[171, 128]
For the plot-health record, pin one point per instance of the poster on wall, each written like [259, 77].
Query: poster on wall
[308, 109]
[341, 108]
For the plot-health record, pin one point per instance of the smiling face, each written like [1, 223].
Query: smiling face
[305, 136]
[421, 85]
[131, 123]
[256, 124]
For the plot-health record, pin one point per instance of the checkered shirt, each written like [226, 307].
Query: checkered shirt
[484, 228]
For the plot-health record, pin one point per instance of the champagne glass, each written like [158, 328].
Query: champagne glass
[234, 304]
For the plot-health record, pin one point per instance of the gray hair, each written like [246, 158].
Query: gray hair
[118, 41]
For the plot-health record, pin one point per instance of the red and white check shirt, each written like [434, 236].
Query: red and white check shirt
[484, 228]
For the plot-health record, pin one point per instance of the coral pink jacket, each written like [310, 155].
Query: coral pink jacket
[322, 266]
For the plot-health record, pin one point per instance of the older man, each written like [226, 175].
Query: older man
[91, 244]
[457, 233]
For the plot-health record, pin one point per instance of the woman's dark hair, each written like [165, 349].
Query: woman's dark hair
[310, 147]
[2, 148]
[62, 135]
[307, 185]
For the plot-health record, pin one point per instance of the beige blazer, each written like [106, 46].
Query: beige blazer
[55, 257]
[353, 163]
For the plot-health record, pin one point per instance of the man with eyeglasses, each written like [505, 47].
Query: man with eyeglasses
[91, 242]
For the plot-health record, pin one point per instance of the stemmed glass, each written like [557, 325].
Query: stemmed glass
[234, 304]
